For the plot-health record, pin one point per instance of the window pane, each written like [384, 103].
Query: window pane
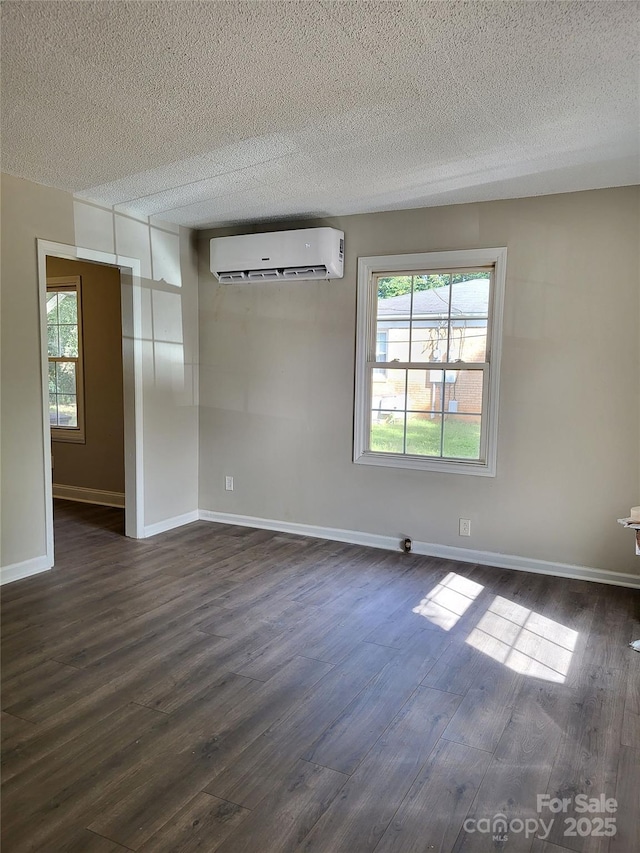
[381, 352]
[53, 346]
[393, 286]
[468, 340]
[396, 335]
[66, 377]
[68, 307]
[52, 377]
[67, 410]
[429, 340]
[388, 391]
[470, 294]
[52, 307]
[437, 392]
[53, 409]
[423, 434]
[68, 340]
[431, 296]
[462, 391]
[393, 314]
[462, 436]
[423, 394]
[431, 280]
[382, 342]
[387, 431]
[398, 343]
[430, 315]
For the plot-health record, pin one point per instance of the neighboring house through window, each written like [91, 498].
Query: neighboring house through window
[64, 336]
[428, 356]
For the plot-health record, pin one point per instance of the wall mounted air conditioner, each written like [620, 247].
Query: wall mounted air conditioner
[308, 253]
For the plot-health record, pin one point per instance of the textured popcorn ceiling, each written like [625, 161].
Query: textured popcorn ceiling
[219, 112]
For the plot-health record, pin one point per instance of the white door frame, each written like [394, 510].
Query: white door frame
[131, 300]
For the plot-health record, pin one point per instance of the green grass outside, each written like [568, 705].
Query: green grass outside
[461, 438]
[65, 416]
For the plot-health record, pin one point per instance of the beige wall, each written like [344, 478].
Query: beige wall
[99, 462]
[169, 345]
[277, 373]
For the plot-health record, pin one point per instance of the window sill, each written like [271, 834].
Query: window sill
[421, 463]
[67, 438]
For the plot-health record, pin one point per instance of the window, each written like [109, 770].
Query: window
[428, 356]
[64, 336]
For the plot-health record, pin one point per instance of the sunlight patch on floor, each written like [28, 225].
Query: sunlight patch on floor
[524, 641]
[448, 600]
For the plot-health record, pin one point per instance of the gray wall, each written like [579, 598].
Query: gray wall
[277, 374]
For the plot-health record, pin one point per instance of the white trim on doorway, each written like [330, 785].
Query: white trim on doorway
[131, 296]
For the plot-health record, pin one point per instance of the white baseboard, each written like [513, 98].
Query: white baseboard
[528, 564]
[18, 571]
[337, 534]
[170, 523]
[447, 552]
[88, 496]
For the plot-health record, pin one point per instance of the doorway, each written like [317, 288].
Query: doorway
[131, 360]
[86, 416]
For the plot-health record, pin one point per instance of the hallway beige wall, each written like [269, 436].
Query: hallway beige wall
[99, 462]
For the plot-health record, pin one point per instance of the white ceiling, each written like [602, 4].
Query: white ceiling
[219, 112]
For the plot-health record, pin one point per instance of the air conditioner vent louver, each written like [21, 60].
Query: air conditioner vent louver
[231, 277]
[304, 254]
[305, 272]
[287, 273]
[263, 275]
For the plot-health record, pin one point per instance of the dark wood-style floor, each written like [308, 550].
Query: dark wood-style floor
[225, 689]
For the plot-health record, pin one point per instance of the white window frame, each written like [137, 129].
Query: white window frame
[368, 269]
[75, 435]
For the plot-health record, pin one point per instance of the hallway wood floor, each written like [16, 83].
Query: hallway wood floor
[225, 689]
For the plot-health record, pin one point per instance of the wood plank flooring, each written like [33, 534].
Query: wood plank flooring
[219, 688]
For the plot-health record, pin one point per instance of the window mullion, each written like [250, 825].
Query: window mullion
[443, 388]
[484, 420]
[406, 406]
[487, 346]
[373, 318]
[449, 321]
[413, 278]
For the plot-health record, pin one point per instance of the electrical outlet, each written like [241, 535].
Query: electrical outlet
[228, 483]
[464, 528]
